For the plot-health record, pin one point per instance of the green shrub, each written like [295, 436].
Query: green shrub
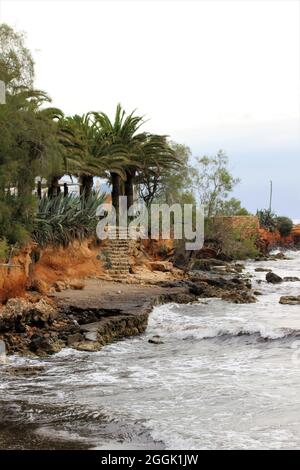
[267, 220]
[284, 225]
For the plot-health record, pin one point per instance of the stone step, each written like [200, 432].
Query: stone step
[117, 272]
[118, 243]
[118, 255]
[119, 266]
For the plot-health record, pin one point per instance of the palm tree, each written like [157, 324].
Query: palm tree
[135, 152]
[88, 153]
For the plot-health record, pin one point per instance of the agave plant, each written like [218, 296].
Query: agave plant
[61, 220]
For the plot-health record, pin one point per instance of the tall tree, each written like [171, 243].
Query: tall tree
[170, 183]
[16, 62]
[214, 181]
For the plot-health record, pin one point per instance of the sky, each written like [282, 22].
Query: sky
[217, 74]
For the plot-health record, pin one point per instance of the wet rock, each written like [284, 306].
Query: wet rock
[291, 279]
[263, 270]
[76, 338]
[239, 297]
[89, 346]
[257, 292]
[279, 256]
[290, 300]
[41, 345]
[197, 289]
[208, 264]
[91, 335]
[273, 278]
[26, 370]
[155, 340]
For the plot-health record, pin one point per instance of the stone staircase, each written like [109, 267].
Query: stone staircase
[117, 255]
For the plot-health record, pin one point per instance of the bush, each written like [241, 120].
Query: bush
[233, 242]
[4, 249]
[267, 220]
[237, 247]
[12, 210]
[284, 225]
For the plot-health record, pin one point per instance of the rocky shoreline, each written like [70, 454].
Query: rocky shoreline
[103, 311]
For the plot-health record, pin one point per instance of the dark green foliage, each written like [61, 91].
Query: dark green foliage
[284, 225]
[267, 219]
[61, 220]
[4, 250]
[230, 207]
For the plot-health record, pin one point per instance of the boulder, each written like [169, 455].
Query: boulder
[41, 345]
[290, 300]
[197, 289]
[39, 286]
[162, 266]
[77, 285]
[18, 313]
[208, 264]
[59, 286]
[273, 278]
[239, 297]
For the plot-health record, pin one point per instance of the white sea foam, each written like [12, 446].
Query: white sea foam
[225, 376]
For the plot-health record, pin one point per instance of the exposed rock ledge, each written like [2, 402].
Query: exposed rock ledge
[101, 313]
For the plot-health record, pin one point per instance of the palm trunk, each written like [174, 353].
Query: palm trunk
[116, 192]
[86, 185]
[66, 190]
[129, 188]
[54, 188]
[39, 190]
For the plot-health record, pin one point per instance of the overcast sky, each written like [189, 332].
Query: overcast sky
[211, 74]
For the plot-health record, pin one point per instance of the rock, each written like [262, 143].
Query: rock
[272, 278]
[257, 292]
[162, 266]
[2, 352]
[91, 335]
[239, 297]
[42, 345]
[76, 338]
[39, 286]
[290, 300]
[279, 256]
[77, 285]
[263, 270]
[291, 279]
[208, 264]
[155, 340]
[26, 370]
[197, 289]
[59, 286]
[89, 346]
[18, 313]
